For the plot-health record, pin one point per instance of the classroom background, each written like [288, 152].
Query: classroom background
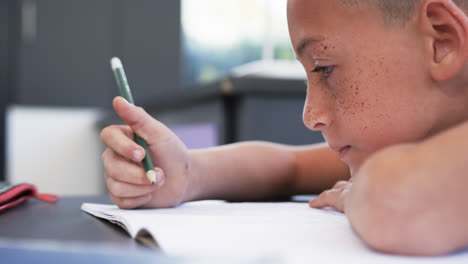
[215, 72]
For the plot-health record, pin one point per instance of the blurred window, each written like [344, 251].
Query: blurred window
[219, 35]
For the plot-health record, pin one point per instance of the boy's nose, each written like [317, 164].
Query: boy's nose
[314, 117]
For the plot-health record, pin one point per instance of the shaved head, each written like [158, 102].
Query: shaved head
[398, 11]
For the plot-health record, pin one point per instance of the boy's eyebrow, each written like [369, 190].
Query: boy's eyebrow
[306, 42]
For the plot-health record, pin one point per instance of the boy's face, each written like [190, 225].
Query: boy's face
[373, 88]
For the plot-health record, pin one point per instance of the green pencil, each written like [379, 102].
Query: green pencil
[124, 89]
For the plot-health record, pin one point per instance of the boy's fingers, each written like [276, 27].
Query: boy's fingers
[126, 190]
[160, 178]
[139, 121]
[126, 130]
[123, 170]
[326, 198]
[340, 184]
[131, 203]
[117, 139]
[333, 197]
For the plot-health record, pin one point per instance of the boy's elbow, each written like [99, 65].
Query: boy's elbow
[386, 228]
[394, 236]
[402, 233]
[390, 219]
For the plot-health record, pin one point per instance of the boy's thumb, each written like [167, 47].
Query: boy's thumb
[137, 118]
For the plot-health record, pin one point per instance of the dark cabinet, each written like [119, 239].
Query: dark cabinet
[238, 109]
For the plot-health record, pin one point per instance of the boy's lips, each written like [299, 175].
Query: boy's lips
[342, 150]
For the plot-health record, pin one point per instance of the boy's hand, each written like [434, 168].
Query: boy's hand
[334, 197]
[124, 175]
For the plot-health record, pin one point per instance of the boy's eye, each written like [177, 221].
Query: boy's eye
[325, 70]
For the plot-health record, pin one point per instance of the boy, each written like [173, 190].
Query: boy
[387, 87]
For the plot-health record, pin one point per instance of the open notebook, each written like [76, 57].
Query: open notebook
[291, 231]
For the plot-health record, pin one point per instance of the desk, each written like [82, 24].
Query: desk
[63, 221]
[38, 232]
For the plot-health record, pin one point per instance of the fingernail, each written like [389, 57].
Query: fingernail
[137, 155]
[159, 178]
[312, 203]
[127, 102]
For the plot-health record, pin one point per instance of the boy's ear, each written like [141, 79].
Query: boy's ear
[445, 26]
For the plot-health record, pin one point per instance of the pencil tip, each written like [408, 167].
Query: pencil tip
[151, 175]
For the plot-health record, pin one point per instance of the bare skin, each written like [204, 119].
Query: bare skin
[242, 171]
[397, 116]
[402, 103]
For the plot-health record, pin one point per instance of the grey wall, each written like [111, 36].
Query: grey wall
[63, 48]
[58, 52]
[64, 51]
[150, 45]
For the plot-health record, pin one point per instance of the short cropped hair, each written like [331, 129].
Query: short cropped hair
[399, 11]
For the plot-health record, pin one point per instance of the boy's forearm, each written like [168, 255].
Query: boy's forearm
[260, 170]
[241, 171]
[318, 168]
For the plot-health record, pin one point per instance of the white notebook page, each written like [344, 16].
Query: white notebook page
[291, 231]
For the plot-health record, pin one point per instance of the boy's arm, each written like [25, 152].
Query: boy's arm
[413, 199]
[260, 170]
[242, 171]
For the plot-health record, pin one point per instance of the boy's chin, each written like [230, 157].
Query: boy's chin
[353, 170]
[353, 166]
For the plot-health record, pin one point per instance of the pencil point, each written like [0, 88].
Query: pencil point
[151, 175]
